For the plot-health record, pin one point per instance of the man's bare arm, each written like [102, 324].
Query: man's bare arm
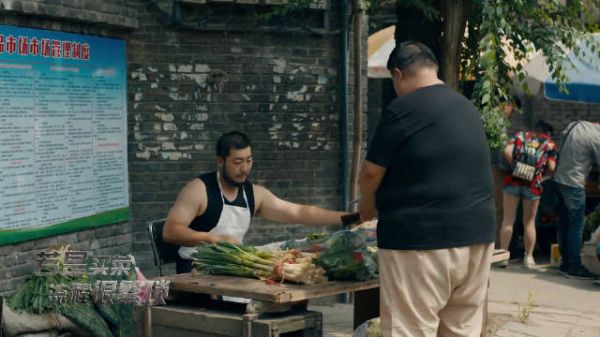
[370, 178]
[270, 207]
[190, 200]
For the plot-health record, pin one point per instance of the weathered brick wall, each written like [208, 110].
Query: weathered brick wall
[185, 88]
[18, 260]
[188, 87]
[107, 12]
[558, 114]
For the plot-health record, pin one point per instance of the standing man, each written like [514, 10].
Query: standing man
[219, 205]
[428, 175]
[580, 146]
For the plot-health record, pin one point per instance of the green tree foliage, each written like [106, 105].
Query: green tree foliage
[495, 28]
[519, 27]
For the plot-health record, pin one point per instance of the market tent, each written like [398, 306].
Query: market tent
[380, 45]
[583, 76]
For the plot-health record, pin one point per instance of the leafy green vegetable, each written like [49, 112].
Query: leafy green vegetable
[86, 317]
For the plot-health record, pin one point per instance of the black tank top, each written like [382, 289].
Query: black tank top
[214, 199]
[214, 207]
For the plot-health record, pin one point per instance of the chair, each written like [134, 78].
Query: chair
[163, 252]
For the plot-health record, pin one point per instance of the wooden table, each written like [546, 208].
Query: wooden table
[366, 293]
[265, 298]
[278, 293]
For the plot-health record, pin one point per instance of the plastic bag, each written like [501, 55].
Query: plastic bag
[345, 254]
[356, 264]
[595, 237]
[368, 328]
[347, 257]
[313, 243]
[340, 240]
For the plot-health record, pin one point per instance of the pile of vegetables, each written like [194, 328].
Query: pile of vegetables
[33, 302]
[225, 258]
[345, 254]
[33, 297]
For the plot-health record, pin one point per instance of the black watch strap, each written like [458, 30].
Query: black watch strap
[350, 218]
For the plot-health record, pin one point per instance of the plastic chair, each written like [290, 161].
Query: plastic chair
[164, 253]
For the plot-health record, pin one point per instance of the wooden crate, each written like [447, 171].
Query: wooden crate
[188, 321]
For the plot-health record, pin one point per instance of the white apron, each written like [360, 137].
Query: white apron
[234, 221]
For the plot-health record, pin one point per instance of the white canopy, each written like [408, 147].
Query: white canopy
[381, 45]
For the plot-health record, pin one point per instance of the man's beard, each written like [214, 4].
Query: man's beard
[228, 179]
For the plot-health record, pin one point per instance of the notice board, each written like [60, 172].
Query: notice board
[63, 133]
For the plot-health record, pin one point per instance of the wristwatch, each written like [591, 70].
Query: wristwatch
[350, 218]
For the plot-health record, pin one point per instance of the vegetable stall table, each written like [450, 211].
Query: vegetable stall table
[274, 308]
[259, 317]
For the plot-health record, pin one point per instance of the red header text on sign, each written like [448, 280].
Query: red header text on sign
[25, 46]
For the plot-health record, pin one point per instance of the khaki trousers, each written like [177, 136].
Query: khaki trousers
[434, 293]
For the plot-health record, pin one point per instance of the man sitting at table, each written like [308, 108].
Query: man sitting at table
[219, 205]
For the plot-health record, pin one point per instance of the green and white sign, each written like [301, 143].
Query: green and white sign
[63, 133]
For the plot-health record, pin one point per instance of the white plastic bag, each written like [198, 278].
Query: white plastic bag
[595, 237]
[368, 328]
[19, 323]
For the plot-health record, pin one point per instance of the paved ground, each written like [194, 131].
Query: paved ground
[522, 303]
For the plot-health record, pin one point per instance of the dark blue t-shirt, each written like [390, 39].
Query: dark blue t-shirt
[437, 191]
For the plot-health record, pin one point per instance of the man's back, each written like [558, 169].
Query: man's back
[437, 191]
[577, 152]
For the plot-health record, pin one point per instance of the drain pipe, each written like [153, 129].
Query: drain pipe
[343, 120]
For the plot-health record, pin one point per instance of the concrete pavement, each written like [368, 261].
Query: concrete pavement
[522, 303]
[558, 306]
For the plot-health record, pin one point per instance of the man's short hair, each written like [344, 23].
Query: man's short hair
[232, 140]
[411, 54]
[544, 127]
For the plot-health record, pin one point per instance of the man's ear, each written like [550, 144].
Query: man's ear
[220, 161]
[396, 73]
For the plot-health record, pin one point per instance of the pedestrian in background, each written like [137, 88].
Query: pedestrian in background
[428, 175]
[580, 147]
[532, 155]
[501, 169]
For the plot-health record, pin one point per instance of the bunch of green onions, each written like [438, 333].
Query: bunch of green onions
[225, 258]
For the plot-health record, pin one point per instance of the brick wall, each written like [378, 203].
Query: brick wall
[188, 87]
[107, 12]
[558, 114]
[18, 260]
[185, 88]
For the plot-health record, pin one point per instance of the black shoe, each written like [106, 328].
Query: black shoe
[563, 269]
[579, 272]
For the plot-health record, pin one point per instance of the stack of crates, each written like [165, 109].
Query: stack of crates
[188, 321]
